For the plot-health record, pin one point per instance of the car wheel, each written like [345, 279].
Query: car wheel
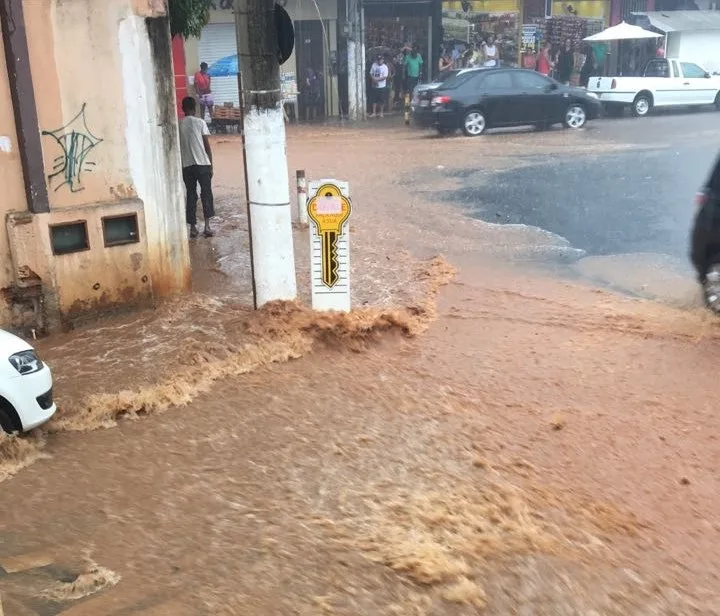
[474, 123]
[9, 420]
[575, 116]
[711, 288]
[642, 105]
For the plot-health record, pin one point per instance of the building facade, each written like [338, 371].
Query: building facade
[316, 48]
[93, 215]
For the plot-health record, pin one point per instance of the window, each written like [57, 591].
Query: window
[69, 237]
[692, 70]
[657, 68]
[497, 81]
[528, 80]
[119, 230]
[461, 78]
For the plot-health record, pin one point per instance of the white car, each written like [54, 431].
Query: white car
[664, 83]
[26, 397]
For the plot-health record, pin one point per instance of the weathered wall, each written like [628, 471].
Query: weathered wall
[11, 180]
[103, 80]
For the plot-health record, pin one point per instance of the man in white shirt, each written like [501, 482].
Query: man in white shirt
[196, 157]
[491, 52]
[378, 74]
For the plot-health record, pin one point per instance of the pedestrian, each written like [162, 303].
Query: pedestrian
[545, 63]
[445, 62]
[588, 67]
[203, 89]
[311, 90]
[413, 69]
[379, 74]
[565, 63]
[492, 54]
[456, 57]
[474, 57]
[196, 157]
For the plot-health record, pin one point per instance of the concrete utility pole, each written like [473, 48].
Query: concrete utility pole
[356, 65]
[266, 167]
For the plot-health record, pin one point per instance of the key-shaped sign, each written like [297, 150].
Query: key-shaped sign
[329, 209]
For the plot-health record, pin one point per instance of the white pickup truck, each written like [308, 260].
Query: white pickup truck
[664, 83]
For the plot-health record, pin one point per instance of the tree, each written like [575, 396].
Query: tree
[188, 17]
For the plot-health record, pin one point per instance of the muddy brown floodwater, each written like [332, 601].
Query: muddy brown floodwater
[477, 437]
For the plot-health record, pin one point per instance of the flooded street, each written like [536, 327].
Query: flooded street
[518, 417]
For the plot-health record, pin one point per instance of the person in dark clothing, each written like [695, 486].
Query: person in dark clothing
[565, 63]
[312, 94]
[588, 67]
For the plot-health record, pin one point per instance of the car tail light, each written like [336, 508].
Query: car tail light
[701, 199]
[613, 85]
[440, 100]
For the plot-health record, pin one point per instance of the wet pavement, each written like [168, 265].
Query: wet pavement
[494, 440]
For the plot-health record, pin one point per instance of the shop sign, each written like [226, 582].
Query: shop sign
[288, 86]
[530, 35]
[329, 209]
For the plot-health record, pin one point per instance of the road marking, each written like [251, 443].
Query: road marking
[25, 562]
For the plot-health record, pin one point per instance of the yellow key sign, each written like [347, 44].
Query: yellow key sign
[329, 209]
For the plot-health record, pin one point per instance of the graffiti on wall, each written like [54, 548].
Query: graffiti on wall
[76, 142]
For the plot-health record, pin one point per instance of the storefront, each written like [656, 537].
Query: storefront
[473, 22]
[557, 21]
[316, 48]
[390, 26]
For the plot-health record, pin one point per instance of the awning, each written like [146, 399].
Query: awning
[622, 32]
[683, 21]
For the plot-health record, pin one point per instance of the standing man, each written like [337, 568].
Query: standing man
[565, 63]
[492, 54]
[413, 69]
[196, 157]
[203, 90]
[379, 74]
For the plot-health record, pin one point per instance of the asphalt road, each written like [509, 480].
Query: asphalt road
[632, 201]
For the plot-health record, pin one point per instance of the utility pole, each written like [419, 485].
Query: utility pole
[356, 64]
[266, 167]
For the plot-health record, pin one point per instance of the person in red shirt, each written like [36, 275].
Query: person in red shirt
[544, 62]
[203, 90]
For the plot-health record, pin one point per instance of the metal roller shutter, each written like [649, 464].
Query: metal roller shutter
[218, 41]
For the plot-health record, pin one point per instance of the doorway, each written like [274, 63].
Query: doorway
[310, 47]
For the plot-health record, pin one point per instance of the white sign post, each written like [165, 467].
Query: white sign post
[329, 210]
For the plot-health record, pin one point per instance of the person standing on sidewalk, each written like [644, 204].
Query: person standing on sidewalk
[413, 69]
[196, 157]
[565, 63]
[203, 89]
[545, 63]
[379, 74]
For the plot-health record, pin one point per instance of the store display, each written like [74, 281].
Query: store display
[504, 27]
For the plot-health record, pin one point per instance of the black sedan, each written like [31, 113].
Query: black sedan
[477, 100]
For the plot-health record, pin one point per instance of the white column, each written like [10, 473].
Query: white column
[361, 69]
[270, 209]
[353, 98]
